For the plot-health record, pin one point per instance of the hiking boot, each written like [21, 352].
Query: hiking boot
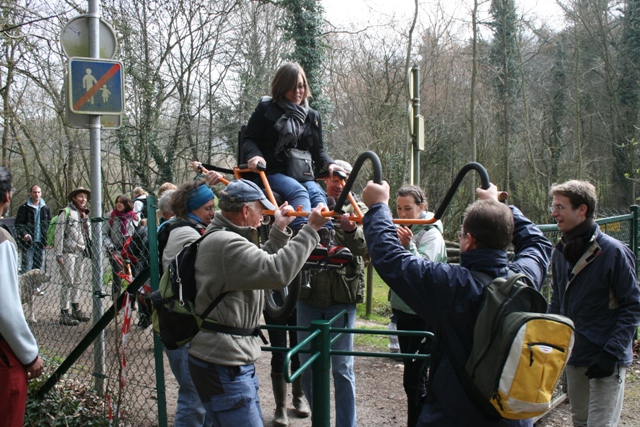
[78, 314]
[144, 321]
[66, 319]
[337, 256]
[318, 255]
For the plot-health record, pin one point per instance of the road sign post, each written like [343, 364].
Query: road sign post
[96, 86]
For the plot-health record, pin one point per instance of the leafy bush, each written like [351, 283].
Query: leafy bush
[69, 403]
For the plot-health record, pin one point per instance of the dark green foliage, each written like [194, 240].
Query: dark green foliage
[628, 99]
[304, 27]
[503, 53]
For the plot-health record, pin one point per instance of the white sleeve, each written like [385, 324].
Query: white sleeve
[13, 325]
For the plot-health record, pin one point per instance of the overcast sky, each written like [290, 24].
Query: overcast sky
[344, 13]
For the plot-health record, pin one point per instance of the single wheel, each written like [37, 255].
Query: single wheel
[280, 303]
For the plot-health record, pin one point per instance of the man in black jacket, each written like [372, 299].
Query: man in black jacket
[31, 225]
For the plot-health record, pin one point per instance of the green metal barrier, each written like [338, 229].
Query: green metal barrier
[321, 341]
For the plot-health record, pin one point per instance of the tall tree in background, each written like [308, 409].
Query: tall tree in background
[503, 57]
[304, 27]
[628, 97]
[558, 111]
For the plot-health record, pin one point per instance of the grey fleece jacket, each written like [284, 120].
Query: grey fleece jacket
[231, 261]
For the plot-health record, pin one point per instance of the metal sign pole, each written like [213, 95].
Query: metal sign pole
[415, 71]
[96, 206]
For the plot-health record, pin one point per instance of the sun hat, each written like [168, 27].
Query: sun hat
[77, 191]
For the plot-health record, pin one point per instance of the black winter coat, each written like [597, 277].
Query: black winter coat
[25, 224]
[261, 138]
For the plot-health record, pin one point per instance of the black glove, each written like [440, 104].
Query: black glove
[603, 366]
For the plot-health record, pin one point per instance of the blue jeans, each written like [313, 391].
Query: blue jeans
[229, 394]
[344, 379]
[306, 194]
[33, 257]
[189, 410]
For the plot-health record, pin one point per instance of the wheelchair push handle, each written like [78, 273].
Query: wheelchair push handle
[485, 183]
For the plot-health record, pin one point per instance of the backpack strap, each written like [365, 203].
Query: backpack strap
[163, 236]
[453, 347]
[212, 326]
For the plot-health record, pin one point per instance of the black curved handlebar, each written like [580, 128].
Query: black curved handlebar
[484, 177]
[260, 166]
[377, 176]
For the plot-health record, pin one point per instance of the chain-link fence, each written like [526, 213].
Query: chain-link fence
[86, 282]
[80, 277]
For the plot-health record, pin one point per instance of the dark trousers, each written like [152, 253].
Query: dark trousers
[32, 257]
[279, 339]
[412, 378]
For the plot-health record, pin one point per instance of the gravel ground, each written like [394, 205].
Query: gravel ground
[381, 399]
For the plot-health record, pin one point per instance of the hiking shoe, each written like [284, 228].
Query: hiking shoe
[339, 256]
[78, 314]
[66, 319]
[144, 322]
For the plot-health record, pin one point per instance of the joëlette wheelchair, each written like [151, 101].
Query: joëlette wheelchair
[280, 303]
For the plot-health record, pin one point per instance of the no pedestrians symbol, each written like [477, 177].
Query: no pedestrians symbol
[95, 86]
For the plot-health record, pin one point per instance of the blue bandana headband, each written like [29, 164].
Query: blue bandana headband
[198, 197]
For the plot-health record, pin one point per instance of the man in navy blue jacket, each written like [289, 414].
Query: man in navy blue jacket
[594, 284]
[447, 295]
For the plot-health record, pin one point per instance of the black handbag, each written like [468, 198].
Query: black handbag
[300, 165]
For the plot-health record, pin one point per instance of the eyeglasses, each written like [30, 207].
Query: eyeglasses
[299, 86]
[460, 234]
[558, 208]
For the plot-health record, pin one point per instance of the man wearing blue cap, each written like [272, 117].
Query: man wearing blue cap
[231, 261]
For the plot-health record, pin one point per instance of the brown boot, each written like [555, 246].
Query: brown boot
[67, 319]
[280, 395]
[78, 314]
